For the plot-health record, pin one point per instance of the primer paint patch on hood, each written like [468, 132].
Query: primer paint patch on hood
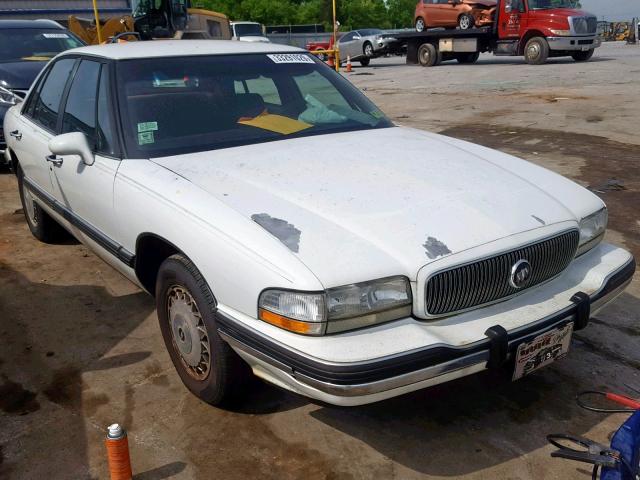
[378, 202]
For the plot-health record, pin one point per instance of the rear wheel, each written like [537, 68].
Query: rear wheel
[466, 21]
[420, 25]
[536, 51]
[428, 55]
[41, 225]
[583, 56]
[468, 57]
[365, 61]
[206, 364]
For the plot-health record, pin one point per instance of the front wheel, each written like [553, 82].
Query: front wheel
[583, 56]
[206, 364]
[428, 55]
[365, 61]
[466, 21]
[368, 50]
[420, 25]
[536, 51]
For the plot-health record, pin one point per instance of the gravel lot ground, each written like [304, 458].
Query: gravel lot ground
[81, 347]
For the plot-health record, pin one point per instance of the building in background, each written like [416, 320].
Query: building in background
[61, 9]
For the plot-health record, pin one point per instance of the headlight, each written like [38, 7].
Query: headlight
[337, 309]
[561, 33]
[8, 98]
[592, 229]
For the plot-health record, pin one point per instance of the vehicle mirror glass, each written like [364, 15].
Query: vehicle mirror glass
[74, 143]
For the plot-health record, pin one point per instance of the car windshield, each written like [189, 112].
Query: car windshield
[547, 4]
[248, 30]
[171, 106]
[30, 44]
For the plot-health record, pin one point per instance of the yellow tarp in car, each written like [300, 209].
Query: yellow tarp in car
[275, 123]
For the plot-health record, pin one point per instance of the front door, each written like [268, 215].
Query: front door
[37, 125]
[512, 16]
[86, 191]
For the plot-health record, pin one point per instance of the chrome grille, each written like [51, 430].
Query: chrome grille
[487, 280]
[585, 25]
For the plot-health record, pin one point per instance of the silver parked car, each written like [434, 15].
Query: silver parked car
[365, 44]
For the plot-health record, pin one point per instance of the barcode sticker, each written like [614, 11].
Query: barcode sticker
[290, 58]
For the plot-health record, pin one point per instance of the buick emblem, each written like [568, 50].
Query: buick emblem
[520, 274]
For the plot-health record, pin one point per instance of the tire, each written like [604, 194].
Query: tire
[468, 57]
[536, 51]
[466, 21]
[365, 61]
[322, 56]
[367, 50]
[583, 56]
[420, 24]
[428, 55]
[40, 223]
[186, 309]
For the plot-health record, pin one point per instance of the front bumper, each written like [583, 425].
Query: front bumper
[574, 43]
[371, 380]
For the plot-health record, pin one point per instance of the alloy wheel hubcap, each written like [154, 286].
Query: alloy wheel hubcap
[368, 50]
[464, 23]
[190, 337]
[420, 25]
[29, 205]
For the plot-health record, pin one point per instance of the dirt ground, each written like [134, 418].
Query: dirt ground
[80, 347]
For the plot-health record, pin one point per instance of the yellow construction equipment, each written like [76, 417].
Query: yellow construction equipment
[154, 19]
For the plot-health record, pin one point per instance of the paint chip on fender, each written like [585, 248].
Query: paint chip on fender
[287, 233]
[434, 248]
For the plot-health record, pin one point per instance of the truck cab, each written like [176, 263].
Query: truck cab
[539, 29]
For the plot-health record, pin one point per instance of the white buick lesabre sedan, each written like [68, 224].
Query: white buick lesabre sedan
[285, 226]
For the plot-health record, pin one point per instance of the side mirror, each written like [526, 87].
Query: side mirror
[74, 143]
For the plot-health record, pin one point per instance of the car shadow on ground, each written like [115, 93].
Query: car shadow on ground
[52, 335]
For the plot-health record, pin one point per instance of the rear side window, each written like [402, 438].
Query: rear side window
[47, 100]
[80, 110]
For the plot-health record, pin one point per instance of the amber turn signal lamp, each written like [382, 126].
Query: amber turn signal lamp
[283, 322]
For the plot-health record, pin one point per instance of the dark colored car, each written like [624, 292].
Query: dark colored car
[25, 48]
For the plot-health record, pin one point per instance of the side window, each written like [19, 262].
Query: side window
[263, 86]
[319, 87]
[80, 110]
[348, 37]
[105, 135]
[46, 102]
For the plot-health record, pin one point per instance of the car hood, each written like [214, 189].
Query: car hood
[19, 75]
[376, 202]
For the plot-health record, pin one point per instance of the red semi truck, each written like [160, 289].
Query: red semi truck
[535, 29]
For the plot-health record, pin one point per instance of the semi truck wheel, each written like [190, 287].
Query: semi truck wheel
[536, 51]
[468, 57]
[583, 56]
[428, 55]
[466, 21]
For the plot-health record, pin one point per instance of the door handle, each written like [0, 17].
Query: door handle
[16, 134]
[54, 160]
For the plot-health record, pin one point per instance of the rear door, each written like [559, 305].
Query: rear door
[86, 191]
[38, 122]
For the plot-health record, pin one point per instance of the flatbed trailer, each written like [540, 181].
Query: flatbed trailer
[536, 34]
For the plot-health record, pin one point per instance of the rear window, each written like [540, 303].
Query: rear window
[191, 104]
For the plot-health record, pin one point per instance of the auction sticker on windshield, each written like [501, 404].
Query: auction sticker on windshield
[290, 58]
[542, 350]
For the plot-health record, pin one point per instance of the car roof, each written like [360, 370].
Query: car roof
[7, 24]
[179, 48]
